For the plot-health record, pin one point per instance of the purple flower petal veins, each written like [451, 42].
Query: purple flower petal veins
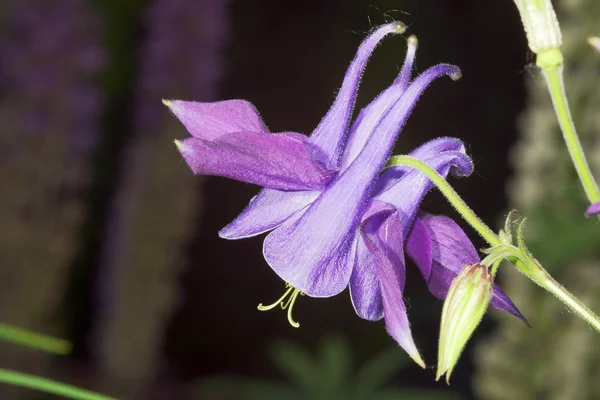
[410, 186]
[326, 140]
[331, 132]
[329, 226]
[440, 249]
[381, 231]
[277, 161]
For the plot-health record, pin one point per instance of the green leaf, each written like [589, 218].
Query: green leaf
[336, 366]
[380, 369]
[242, 389]
[298, 365]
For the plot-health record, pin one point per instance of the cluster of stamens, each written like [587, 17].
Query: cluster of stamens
[286, 301]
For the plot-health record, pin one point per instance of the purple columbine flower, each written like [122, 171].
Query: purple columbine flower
[335, 221]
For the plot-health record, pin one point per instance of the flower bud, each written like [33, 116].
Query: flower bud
[595, 42]
[465, 305]
[540, 23]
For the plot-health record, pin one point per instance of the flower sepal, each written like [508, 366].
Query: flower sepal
[465, 305]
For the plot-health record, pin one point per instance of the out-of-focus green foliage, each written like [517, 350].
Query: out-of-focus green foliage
[328, 375]
[560, 357]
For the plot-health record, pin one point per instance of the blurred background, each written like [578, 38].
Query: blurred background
[108, 240]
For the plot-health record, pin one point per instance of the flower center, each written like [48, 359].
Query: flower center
[286, 301]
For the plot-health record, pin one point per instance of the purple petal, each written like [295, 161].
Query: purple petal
[404, 77]
[278, 161]
[594, 209]
[441, 249]
[329, 136]
[365, 290]
[208, 121]
[382, 233]
[315, 252]
[431, 153]
[405, 187]
[386, 99]
[266, 211]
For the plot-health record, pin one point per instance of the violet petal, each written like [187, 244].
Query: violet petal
[209, 121]
[331, 132]
[315, 253]
[358, 137]
[382, 233]
[266, 211]
[406, 187]
[278, 161]
[441, 249]
[365, 290]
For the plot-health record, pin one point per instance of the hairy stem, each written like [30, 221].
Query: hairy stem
[521, 258]
[551, 63]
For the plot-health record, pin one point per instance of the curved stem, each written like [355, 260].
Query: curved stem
[34, 340]
[524, 262]
[48, 386]
[554, 80]
[457, 202]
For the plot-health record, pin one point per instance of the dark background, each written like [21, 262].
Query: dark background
[288, 58]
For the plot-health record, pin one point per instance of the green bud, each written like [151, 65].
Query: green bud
[466, 303]
[540, 23]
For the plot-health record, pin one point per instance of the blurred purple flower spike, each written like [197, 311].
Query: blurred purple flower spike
[594, 209]
[335, 221]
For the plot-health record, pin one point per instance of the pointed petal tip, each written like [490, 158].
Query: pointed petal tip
[413, 353]
[417, 358]
[595, 42]
[167, 103]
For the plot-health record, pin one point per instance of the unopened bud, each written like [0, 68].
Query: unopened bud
[466, 303]
[595, 42]
[540, 23]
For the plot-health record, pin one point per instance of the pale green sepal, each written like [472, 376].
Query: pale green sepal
[466, 303]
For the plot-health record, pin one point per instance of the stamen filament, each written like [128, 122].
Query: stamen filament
[291, 294]
[289, 313]
[279, 301]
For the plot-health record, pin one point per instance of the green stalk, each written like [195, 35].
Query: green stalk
[521, 259]
[448, 191]
[48, 386]
[551, 62]
[34, 340]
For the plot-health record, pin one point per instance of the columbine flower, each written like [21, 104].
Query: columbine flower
[464, 307]
[334, 222]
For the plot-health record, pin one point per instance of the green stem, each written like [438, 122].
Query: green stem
[532, 269]
[457, 202]
[551, 63]
[48, 386]
[34, 340]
